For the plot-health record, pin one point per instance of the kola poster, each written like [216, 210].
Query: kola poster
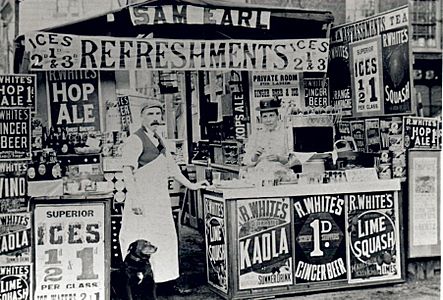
[264, 243]
[15, 238]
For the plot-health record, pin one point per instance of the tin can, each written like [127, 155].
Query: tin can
[385, 157]
[398, 171]
[384, 171]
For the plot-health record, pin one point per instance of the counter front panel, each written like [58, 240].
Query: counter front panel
[288, 244]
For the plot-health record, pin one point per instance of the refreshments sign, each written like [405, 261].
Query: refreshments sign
[53, 51]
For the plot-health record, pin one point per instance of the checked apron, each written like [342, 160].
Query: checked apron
[156, 223]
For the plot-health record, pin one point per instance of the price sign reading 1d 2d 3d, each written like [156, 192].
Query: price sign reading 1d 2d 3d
[367, 81]
[70, 251]
[319, 223]
[17, 91]
[264, 242]
[373, 237]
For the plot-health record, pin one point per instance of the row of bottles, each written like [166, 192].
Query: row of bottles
[61, 142]
[44, 166]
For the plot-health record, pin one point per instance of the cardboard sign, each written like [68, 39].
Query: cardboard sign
[124, 108]
[264, 246]
[358, 133]
[320, 238]
[15, 134]
[373, 237]
[189, 14]
[13, 182]
[15, 282]
[265, 85]
[366, 69]
[396, 79]
[74, 100]
[421, 133]
[370, 63]
[216, 243]
[15, 238]
[340, 78]
[18, 91]
[372, 133]
[51, 51]
[316, 92]
[70, 251]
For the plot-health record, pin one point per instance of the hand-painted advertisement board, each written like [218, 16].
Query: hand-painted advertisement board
[421, 133]
[264, 243]
[74, 100]
[15, 238]
[53, 51]
[15, 282]
[366, 70]
[190, 14]
[319, 223]
[18, 91]
[373, 237]
[70, 251]
[216, 243]
[15, 134]
[369, 67]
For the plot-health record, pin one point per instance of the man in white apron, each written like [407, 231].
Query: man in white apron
[147, 214]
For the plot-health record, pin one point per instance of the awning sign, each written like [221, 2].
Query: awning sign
[52, 51]
[188, 14]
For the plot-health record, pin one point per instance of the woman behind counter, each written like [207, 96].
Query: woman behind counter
[267, 151]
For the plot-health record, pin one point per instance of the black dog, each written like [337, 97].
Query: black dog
[139, 280]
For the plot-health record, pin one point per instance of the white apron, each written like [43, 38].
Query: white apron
[156, 224]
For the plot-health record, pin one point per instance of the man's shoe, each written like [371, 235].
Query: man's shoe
[181, 291]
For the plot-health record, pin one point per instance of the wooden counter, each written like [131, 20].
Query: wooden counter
[277, 240]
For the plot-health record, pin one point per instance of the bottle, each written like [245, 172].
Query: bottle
[41, 170]
[51, 138]
[64, 143]
[45, 138]
[208, 172]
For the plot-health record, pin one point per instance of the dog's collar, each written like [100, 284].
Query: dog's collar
[135, 258]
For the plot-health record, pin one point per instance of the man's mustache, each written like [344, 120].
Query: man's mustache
[155, 122]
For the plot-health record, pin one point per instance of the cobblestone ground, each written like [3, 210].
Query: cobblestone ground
[193, 273]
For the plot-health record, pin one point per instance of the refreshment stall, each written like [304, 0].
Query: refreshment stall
[211, 63]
